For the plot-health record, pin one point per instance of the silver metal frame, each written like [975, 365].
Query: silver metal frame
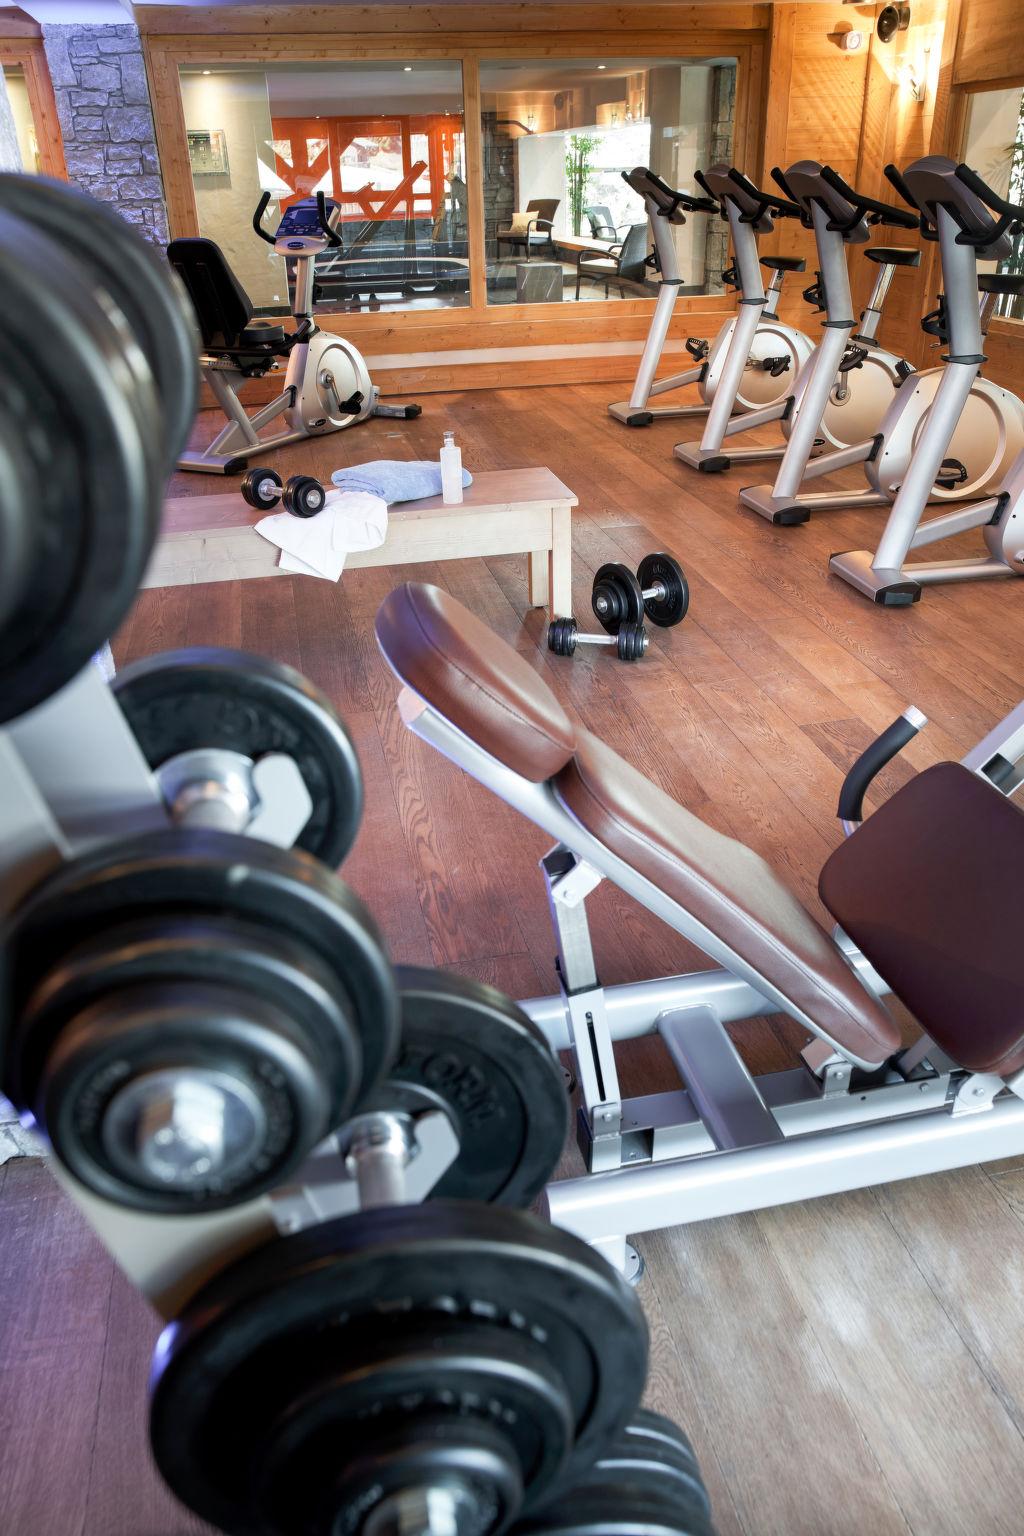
[300, 401]
[753, 307]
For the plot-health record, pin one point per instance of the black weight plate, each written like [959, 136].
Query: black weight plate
[646, 1481]
[391, 1385]
[139, 282]
[18, 512]
[624, 591]
[179, 701]
[279, 1021]
[117, 1046]
[80, 407]
[210, 875]
[494, 1072]
[271, 1327]
[670, 609]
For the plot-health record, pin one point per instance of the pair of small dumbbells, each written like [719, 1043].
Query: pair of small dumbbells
[301, 495]
[620, 601]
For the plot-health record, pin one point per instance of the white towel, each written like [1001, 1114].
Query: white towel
[317, 546]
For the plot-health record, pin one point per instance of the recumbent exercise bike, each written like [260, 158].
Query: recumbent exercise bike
[327, 384]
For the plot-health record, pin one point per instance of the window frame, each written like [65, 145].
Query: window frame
[29, 55]
[960, 105]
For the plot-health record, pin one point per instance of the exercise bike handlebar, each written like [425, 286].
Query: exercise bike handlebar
[871, 762]
[973, 182]
[333, 238]
[257, 220]
[777, 175]
[770, 201]
[882, 213]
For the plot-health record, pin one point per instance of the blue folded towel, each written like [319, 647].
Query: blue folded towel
[395, 479]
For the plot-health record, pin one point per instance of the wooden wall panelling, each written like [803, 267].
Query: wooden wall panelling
[991, 44]
[445, 20]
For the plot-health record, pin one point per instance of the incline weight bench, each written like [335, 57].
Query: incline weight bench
[926, 894]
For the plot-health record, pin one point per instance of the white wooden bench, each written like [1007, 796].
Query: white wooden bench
[505, 512]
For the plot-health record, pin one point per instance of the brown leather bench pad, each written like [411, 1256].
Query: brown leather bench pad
[729, 889]
[930, 889]
[468, 673]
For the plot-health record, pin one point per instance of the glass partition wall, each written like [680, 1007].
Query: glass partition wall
[385, 140]
[560, 222]
[994, 147]
[556, 222]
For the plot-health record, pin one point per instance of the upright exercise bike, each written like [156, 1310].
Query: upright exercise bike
[983, 441]
[971, 222]
[327, 385]
[777, 351]
[749, 212]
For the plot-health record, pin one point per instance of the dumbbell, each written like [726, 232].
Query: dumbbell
[630, 640]
[302, 495]
[659, 590]
[406, 1370]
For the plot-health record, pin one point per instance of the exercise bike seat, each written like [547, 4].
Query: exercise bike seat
[263, 333]
[223, 308]
[929, 890]
[894, 255]
[746, 917]
[784, 263]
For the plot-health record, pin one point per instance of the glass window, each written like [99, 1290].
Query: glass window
[556, 140]
[995, 149]
[21, 109]
[384, 141]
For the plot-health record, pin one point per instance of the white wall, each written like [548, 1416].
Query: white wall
[540, 172]
[236, 102]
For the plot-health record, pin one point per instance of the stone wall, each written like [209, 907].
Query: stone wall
[99, 80]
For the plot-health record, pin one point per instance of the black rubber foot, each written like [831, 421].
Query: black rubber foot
[412, 411]
[235, 466]
[641, 419]
[897, 597]
[791, 517]
[714, 466]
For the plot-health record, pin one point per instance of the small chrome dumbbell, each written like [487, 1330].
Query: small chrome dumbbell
[658, 590]
[301, 495]
[630, 640]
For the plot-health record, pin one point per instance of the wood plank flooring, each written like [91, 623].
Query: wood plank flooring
[852, 1365]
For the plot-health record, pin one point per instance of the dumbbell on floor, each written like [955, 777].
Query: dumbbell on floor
[630, 640]
[302, 495]
[659, 590]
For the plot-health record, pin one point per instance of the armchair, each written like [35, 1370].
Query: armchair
[623, 263]
[530, 231]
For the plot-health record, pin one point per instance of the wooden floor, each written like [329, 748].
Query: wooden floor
[853, 1365]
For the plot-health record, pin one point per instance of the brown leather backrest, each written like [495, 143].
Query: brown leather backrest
[929, 888]
[471, 677]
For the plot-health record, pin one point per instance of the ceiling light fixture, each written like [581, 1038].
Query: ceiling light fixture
[206, 71]
[602, 66]
[407, 69]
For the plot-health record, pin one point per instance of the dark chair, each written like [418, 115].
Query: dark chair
[602, 226]
[537, 234]
[620, 264]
